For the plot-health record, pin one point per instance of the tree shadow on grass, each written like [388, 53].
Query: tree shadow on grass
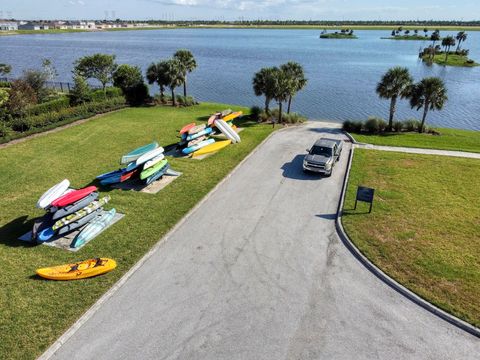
[10, 232]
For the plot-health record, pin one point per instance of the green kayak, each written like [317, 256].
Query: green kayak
[152, 170]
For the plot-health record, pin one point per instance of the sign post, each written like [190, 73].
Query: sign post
[365, 194]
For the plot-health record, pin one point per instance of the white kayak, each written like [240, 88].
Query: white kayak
[153, 161]
[52, 194]
[149, 155]
[227, 130]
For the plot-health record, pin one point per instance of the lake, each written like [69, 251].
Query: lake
[342, 73]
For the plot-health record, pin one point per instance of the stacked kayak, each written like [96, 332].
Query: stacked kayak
[67, 210]
[146, 163]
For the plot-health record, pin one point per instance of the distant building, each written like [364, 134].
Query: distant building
[33, 26]
[59, 25]
[8, 26]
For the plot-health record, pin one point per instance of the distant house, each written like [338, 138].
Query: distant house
[33, 26]
[8, 26]
[59, 25]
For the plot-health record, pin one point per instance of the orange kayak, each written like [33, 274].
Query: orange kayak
[232, 116]
[80, 270]
[186, 128]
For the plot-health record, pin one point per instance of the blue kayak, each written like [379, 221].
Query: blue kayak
[198, 146]
[135, 154]
[157, 175]
[206, 131]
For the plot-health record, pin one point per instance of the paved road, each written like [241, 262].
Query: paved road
[258, 272]
[410, 150]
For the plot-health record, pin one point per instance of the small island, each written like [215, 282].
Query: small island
[342, 34]
[406, 34]
[444, 55]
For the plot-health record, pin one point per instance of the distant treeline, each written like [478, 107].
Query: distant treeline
[320, 22]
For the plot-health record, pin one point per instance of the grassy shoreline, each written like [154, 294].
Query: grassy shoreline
[423, 230]
[453, 60]
[338, 36]
[36, 312]
[408, 37]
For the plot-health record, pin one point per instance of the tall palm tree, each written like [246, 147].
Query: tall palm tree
[461, 37]
[174, 75]
[282, 92]
[447, 43]
[263, 84]
[435, 37]
[395, 83]
[296, 75]
[187, 63]
[425, 30]
[429, 94]
[156, 73]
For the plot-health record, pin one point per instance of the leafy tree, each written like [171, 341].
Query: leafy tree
[407, 32]
[263, 84]
[97, 66]
[80, 93]
[174, 74]
[37, 80]
[130, 80]
[3, 96]
[5, 69]
[395, 83]
[21, 95]
[425, 30]
[461, 37]
[394, 33]
[447, 43]
[415, 32]
[429, 94]
[187, 64]
[435, 37]
[297, 80]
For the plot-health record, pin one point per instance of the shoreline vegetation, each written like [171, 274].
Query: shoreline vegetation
[453, 59]
[343, 34]
[407, 37]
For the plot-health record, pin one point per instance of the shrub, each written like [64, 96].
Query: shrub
[375, 125]
[21, 124]
[110, 92]
[5, 84]
[53, 105]
[293, 118]
[137, 95]
[80, 92]
[397, 126]
[255, 112]
[21, 96]
[412, 125]
[185, 100]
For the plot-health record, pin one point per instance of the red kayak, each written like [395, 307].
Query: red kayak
[128, 175]
[186, 128]
[73, 196]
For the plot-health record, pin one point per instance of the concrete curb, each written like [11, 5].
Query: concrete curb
[384, 277]
[95, 307]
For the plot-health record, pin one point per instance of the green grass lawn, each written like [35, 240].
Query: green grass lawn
[453, 60]
[449, 139]
[36, 312]
[424, 229]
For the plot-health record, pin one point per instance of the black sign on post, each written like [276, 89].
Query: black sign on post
[365, 194]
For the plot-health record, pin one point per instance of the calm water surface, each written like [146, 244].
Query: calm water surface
[342, 73]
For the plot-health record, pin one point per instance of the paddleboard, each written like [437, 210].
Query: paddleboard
[196, 141]
[153, 161]
[70, 209]
[158, 174]
[79, 270]
[148, 156]
[135, 154]
[227, 131]
[73, 196]
[205, 131]
[186, 128]
[198, 146]
[152, 170]
[232, 116]
[52, 194]
[212, 147]
[93, 229]
[196, 129]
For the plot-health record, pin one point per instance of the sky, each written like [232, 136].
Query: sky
[242, 9]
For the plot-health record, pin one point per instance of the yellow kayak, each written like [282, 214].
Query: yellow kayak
[232, 116]
[80, 270]
[212, 147]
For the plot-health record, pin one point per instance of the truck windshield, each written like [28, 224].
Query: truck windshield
[321, 150]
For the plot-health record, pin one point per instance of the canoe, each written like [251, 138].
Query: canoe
[196, 141]
[53, 193]
[135, 154]
[206, 131]
[158, 174]
[70, 209]
[212, 147]
[189, 150]
[232, 116]
[196, 129]
[79, 270]
[186, 128]
[230, 133]
[152, 170]
[93, 229]
[73, 196]
[153, 161]
[148, 156]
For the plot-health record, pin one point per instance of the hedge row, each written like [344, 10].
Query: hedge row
[377, 126]
[49, 106]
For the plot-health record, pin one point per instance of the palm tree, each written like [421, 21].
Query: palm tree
[425, 30]
[435, 37]
[395, 83]
[156, 73]
[174, 75]
[281, 89]
[429, 94]
[448, 42]
[296, 75]
[187, 63]
[263, 84]
[461, 37]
